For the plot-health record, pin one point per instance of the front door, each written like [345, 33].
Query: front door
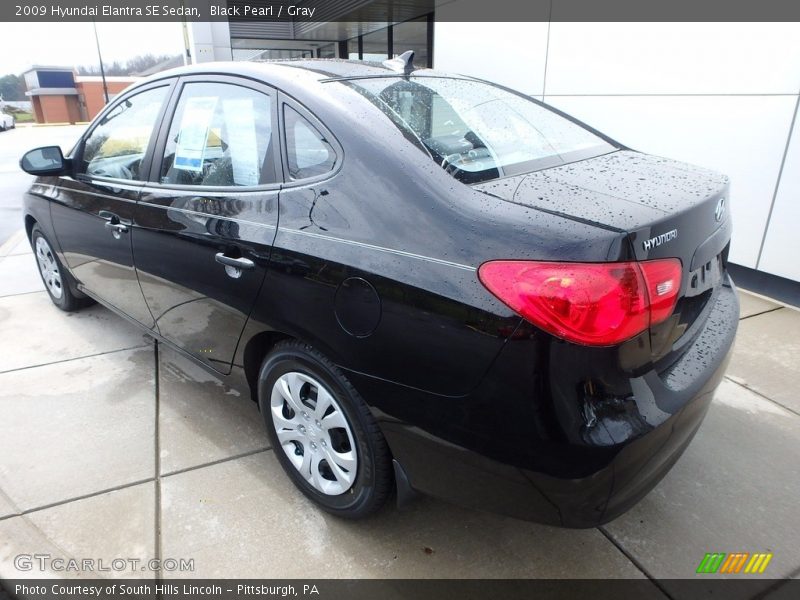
[93, 210]
[207, 220]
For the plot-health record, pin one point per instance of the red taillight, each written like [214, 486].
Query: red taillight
[663, 279]
[595, 304]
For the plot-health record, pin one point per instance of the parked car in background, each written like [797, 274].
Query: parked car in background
[6, 121]
[429, 283]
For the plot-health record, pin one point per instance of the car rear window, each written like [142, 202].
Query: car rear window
[477, 131]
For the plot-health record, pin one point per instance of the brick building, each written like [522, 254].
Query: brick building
[59, 96]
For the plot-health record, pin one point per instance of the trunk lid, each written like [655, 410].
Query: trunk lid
[664, 209]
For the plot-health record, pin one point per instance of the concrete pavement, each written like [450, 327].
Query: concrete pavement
[112, 447]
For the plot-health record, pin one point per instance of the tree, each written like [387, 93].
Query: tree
[12, 87]
[132, 66]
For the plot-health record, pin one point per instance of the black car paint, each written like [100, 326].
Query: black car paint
[375, 265]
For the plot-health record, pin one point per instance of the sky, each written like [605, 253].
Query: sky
[70, 44]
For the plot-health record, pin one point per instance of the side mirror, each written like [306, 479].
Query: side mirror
[44, 161]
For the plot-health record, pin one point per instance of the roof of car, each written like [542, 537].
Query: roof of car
[339, 68]
[318, 69]
[302, 79]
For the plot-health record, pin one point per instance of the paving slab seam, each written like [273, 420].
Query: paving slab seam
[16, 295]
[768, 299]
[762, 396]
[20, 252]
[157, 459]
[134, 483]
[77, 498]
[635, 562]
[11, 243]
[57, 362]
[10, 503]
[769, 310]
[216, 462]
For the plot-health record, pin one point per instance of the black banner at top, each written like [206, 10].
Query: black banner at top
[398, 10]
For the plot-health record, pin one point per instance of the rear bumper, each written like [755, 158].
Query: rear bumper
[684, 392]
[533, 441]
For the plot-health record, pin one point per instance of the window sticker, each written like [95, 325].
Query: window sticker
[240, 123]
[194, 131]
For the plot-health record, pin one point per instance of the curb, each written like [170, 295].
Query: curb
[768, 299]
[57, 124]
[11, 243]
[29, 125]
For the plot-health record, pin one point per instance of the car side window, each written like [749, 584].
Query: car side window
[116, 146]
[221, 135]
[308, 152]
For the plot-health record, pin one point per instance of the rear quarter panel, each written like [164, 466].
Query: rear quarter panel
[395, 219]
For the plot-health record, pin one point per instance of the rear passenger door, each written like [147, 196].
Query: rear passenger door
[207, 218]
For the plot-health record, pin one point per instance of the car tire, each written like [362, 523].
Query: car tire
[295, 380]
[58, 283]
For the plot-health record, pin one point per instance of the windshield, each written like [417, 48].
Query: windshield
[477, 131]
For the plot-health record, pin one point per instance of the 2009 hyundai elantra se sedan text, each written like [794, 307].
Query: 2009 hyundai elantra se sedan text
[430, 283]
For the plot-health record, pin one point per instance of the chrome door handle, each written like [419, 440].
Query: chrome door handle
[236, 263]
[117, 227]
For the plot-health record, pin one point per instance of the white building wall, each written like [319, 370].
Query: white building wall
[719, 95]
[511, 54]
[781, 253]
[209, 41]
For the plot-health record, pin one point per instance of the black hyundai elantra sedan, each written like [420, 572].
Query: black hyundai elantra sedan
[429, 283]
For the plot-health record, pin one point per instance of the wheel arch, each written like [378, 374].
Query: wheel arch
[29, 223]
[255, 350]
[260, 342]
